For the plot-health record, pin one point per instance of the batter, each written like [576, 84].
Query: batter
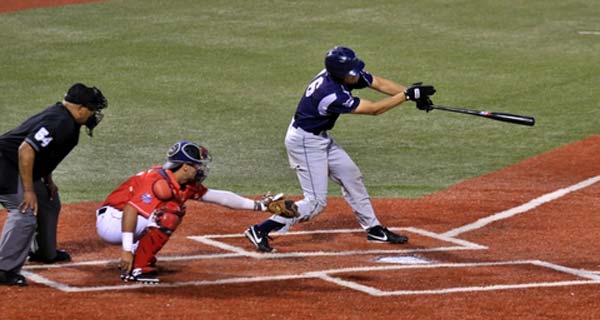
[316, 157]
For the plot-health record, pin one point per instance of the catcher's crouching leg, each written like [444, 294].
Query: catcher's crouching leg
[150, 244]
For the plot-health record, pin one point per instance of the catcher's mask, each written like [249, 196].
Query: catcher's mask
[342, 61]
[192, 154]
[91, 98]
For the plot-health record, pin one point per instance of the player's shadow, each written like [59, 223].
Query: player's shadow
[261, 290]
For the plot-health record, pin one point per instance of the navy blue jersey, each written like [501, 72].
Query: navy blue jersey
[52, 133]
[325, 99]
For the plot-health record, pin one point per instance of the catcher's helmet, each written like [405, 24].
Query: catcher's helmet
[342, 61]
[189, 153]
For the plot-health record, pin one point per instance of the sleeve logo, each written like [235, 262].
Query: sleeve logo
[43, 137]
[146, 198]
[348, 103]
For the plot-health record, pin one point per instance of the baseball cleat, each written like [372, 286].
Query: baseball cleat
[126, 277]
[137, 275]
[61, 256]
[260, 241]
[9, 278]
[382, 234]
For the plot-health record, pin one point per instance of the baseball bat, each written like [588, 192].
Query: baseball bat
[499, 116]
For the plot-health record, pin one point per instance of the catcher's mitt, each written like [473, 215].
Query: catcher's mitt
[277, 204]
[284, 207]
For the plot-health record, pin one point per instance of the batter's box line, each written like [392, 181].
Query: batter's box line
[326, 276]
[211, 240]
[240, 252]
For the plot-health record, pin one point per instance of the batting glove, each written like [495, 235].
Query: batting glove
[424, 104]
[418, 91]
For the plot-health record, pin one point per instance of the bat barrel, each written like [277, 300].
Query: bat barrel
[498, 116]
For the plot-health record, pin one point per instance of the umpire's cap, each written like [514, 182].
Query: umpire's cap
[92, 98]
[342, 61]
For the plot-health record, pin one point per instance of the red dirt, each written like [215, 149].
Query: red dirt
[18, 5]
[564, 232]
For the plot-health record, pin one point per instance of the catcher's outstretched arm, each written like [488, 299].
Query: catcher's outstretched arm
[228, 199]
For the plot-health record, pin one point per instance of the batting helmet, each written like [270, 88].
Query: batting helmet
[342, 61]
[189, 153]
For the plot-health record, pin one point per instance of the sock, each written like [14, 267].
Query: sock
[269, 225]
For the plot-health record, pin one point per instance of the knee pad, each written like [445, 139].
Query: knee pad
[167, 222]
[169, 217]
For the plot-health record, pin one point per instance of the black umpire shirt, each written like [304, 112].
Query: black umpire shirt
[52, 133]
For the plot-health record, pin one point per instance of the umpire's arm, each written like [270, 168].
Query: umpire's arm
[26, 161]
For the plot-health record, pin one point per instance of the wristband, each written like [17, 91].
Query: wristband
[127, 241]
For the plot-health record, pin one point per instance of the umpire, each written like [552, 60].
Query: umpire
[28, 155]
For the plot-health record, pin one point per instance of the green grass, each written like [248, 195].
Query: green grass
[229, 74]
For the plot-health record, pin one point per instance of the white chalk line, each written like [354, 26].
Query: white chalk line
[115, 261]
[522, 208]
[326, 275]
[45, 281]
[595, 33]
[209, 240]
[576, 272]
[594, 279]
[238, 252]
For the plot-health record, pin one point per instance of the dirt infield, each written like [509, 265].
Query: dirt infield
[517, 243]
[17, 5]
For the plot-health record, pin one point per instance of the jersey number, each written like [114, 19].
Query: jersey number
[42, 136]
[313, 86]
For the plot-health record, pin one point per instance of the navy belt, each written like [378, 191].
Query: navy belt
[316, 133]
[101, 211]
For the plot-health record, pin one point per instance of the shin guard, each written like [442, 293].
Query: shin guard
[149, 245]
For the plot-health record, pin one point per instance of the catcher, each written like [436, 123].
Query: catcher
[143, 212]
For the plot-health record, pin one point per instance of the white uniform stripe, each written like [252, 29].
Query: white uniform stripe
[325, 102]
[307, 163]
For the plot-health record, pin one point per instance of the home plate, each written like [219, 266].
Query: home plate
[403, 260]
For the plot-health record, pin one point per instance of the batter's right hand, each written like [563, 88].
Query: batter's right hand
[29, 202]
[126, 263]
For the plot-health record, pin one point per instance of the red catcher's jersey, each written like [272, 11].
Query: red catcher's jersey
[137, 192]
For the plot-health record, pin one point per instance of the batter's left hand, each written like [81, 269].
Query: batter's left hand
[424, 104]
